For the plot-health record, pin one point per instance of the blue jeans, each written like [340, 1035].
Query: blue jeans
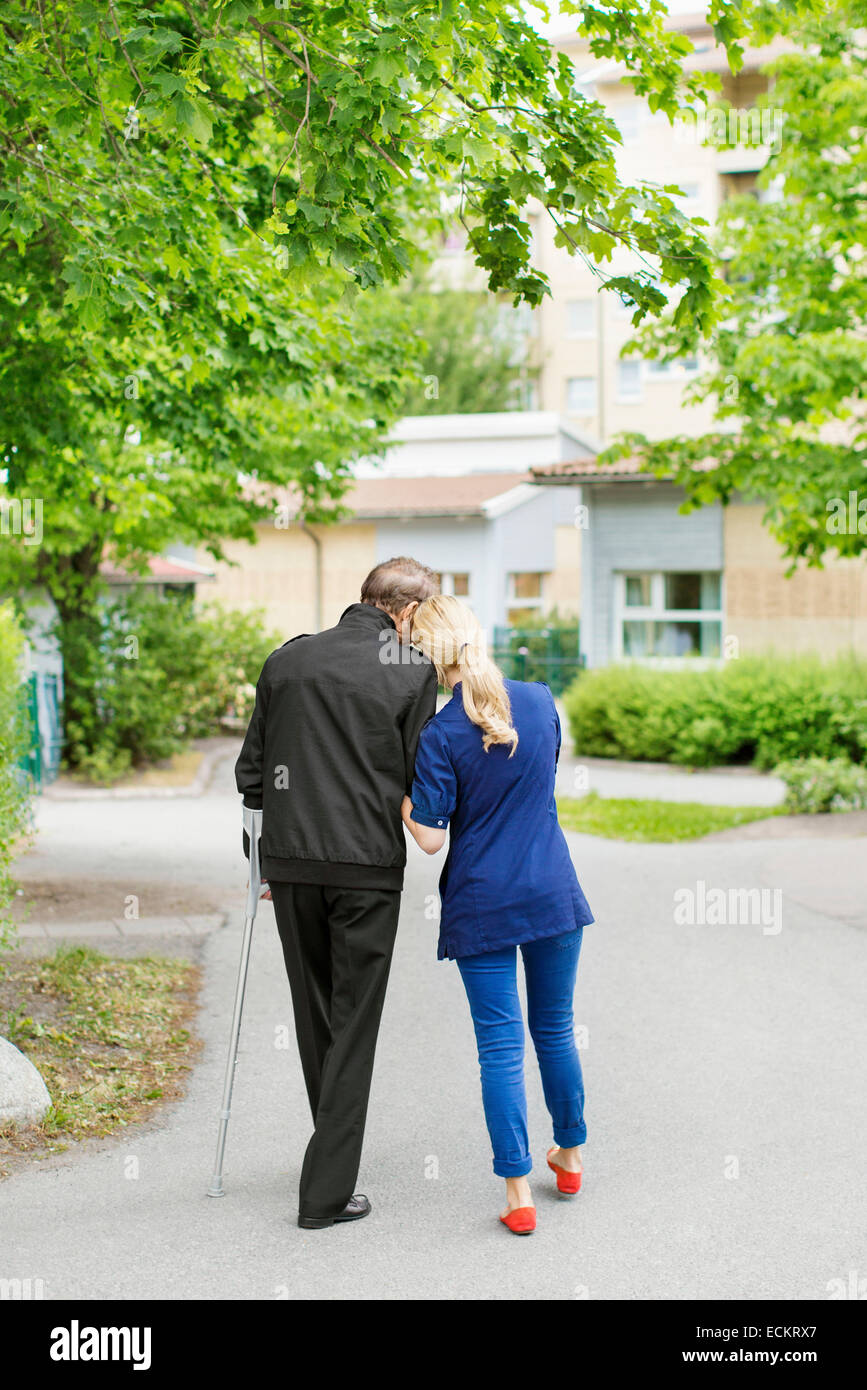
[550, 967]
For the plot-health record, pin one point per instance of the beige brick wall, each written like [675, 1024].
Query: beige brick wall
[813, 610]
[278, 574]
[563, 590]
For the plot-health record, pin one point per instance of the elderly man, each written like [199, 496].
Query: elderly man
[329, 756]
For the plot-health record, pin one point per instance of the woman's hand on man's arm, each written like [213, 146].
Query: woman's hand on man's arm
[427, 837]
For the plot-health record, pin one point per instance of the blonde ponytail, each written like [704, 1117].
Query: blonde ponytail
[449, 634]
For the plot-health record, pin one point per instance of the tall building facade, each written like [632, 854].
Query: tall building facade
[577, 334]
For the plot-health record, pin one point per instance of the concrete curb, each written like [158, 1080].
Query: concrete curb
[210, 758]
[118, 928]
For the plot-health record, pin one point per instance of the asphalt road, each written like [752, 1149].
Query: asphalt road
[724, 1078]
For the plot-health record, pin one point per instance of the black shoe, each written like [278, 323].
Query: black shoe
[355, 1208]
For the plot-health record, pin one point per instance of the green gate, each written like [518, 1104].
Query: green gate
[539, 654]
[41, 696]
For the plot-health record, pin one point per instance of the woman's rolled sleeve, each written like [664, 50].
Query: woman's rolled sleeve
[435, 786]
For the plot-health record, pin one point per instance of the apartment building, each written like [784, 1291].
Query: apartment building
[577, 334]
[514, 510]
[455, 492]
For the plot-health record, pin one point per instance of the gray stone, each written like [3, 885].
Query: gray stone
[24, 1096]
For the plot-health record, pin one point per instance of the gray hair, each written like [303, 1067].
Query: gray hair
[395, 583]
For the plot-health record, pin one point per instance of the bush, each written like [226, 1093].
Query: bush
[762, 710]
[14, 783]
[159, 673]
[824, 784]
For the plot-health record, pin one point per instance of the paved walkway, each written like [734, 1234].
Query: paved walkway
[175, 861]
[725, 1136]
[719, 786]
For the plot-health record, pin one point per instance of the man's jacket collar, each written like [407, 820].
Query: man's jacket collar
[368, 615]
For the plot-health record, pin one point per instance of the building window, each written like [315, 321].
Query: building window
[663, 371]
[628, 118]
[656, 371]
[672, 614]
[628, 380]
[456, 584]
[738, 184]
[516, 322]
[638, 590]
[581, 394]
[580, 318]
[525, 596]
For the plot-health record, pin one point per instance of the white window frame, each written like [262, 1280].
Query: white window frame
[585, 333]
[677, 370]
[656, 612]
[623, 398]
[581, 410]
[515, 323]
[447, 584]
[513, 601]
[658, 371]
[636, 108]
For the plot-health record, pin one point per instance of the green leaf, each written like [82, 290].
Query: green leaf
[193, 116]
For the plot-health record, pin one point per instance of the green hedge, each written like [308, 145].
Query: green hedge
[158, 673]
[762, 710]
[14, 783]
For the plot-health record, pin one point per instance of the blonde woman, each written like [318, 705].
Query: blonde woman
[485, 767]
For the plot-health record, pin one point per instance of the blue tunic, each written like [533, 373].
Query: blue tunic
[508, 877]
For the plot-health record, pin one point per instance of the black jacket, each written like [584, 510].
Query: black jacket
[330, 749]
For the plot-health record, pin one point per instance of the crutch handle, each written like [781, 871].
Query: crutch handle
[253, 829]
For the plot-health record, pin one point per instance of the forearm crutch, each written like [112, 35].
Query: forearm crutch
[253, 827]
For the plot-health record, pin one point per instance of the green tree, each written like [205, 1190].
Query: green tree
[14, 788]
[193, 194]
[472, 352]
[788, 359]
[164, 672]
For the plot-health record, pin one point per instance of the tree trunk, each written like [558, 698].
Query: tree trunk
[74, 585]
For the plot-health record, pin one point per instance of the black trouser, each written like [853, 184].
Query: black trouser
[337, 945]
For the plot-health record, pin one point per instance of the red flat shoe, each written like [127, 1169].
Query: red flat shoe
[567, 1183]
[521, 1221]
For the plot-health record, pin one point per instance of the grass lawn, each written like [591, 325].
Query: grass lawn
[617, 818]
[110, 1036]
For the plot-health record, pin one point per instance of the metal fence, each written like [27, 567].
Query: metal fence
[42, 695]
[539, 654]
